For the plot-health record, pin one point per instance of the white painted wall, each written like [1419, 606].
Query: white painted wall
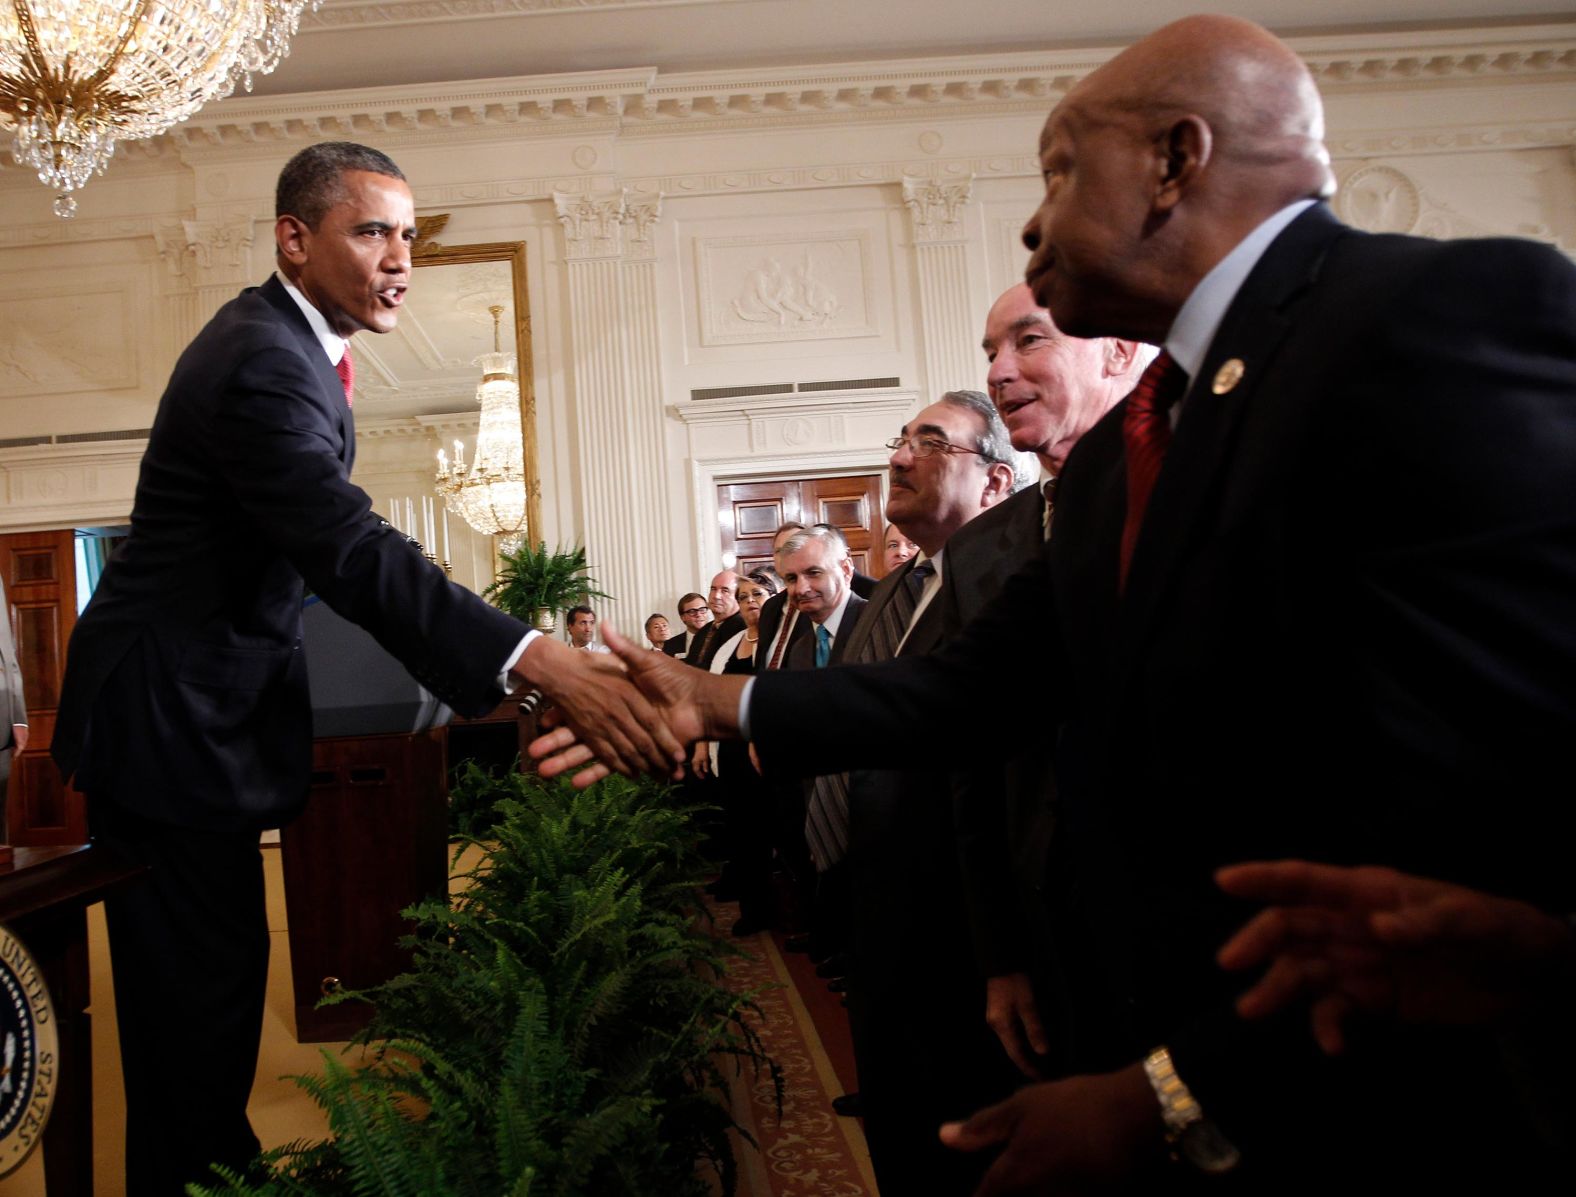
[664, 217]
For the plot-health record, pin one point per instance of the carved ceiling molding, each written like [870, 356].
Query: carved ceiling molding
[442, 427]
[1521, 135]
[642, 100]
[371, 14]
[1510, 136]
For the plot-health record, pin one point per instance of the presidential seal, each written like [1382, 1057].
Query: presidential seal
[29, 1053]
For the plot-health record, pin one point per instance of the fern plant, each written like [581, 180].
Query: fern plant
[532, 580]
[564, 1030]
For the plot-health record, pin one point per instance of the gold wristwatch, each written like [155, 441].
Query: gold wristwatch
[1190, 1135]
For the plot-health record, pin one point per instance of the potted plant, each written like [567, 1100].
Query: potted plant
[534, 585]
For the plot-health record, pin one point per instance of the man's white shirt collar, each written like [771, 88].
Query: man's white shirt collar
[835, 619]
[1199, 320]
[333, 344]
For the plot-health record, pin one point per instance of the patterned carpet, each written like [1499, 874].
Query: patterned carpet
[810, 1151]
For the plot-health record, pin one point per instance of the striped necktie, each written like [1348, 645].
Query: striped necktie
[785, 628]
[826, 813]
[892, 623]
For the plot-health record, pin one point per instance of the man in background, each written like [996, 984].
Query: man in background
[582, 629]
[695, 615]
[1050, 389]
[818, 574]
[723, 599]
[924, 1055]
[896, 548]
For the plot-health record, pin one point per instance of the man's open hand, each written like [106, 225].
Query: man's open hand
[1083, 1135]
[1390, 945]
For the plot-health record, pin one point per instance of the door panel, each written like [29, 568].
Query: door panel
[749, 514]
[41, 587]
[853, 507]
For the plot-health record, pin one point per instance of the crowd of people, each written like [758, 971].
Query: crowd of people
[1191, 814]
[1220, 774]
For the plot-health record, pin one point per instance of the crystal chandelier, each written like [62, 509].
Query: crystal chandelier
[76, 76]
[489, 494]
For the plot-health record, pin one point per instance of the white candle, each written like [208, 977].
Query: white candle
[410, 517]
[446, 556]
[394, 513]
[443, 462]
[430, 540]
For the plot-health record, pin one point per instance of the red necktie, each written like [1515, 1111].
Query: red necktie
[1146, 433]
[346, 369]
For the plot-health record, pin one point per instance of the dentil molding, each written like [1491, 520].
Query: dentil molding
[643, 100]
[369, 14]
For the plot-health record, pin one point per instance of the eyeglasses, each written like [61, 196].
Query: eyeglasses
[925, 446]
[693, 611]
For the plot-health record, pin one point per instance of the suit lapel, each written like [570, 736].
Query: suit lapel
[1203, 445]
[874, 606]
[328, 378]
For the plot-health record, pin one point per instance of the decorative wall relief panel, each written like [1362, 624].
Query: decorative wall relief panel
[1509, 193]
[60, 341]
[1379, 199]
[804, 287]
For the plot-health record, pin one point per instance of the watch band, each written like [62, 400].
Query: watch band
[1190, 1135]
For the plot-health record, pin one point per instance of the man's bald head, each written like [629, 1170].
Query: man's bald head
[1158, 163]
[1257, 96]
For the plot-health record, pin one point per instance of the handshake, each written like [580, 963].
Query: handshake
[629, 711]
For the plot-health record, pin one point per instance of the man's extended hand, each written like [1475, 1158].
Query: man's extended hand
[1392, 945]
[685, 703]
[612, 720]
[1086, 1134]
[19, 737]
[1012, 1014]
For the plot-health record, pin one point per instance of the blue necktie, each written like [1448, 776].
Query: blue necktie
[823, 646]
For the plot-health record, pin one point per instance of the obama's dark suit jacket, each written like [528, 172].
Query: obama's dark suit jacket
[185, 696]
[1346, 635]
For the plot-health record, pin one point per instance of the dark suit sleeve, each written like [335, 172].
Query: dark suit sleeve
[275, 439]
[930, 708]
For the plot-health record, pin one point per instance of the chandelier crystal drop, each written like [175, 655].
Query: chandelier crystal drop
[77, 76]
[489, 493]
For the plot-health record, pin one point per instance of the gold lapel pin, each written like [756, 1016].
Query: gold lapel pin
[1228, 376]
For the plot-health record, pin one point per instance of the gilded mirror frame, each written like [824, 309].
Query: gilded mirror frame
[427, 252]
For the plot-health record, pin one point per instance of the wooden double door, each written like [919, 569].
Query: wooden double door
[751, 512]
[40, 573]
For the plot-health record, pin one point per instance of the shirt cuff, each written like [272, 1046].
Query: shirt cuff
[506, 683]
[744, 707]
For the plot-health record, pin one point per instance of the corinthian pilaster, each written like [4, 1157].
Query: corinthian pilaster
[205, 263]
[616, 368]
[947, 319]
